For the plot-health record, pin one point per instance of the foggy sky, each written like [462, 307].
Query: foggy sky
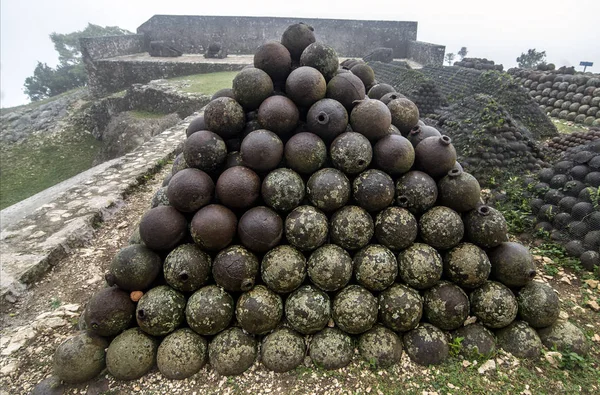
[498, 30]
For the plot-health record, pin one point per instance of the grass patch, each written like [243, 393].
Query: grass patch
[207, 84]
[516, 207]
[38, 103]
[567, 127]
[145, 115]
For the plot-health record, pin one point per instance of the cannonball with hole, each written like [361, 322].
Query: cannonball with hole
[351, 153]
[327, 118]
[235, 269]
[416, 191]
[485, 226]
[160, 311]
[187, 268]
[512, 264]
[109, 312]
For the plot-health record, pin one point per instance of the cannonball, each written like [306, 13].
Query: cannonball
[426, 345]
[467, 265]
[190, 189]
[420, 266]
[379, 90]
[327, 118]
[346, 88]
[260, 229]
[305, 86]
[274, 59]
[394, 154]
[380, 346]
[279, 115]
[283, 269]
[109, 312]
[351, 152]
[297, 37]
[283, 189]
[134, 268]
[564, 336]
[160, 311]
[282, 350]
[80, 358]
[441, 227]
[305, 153]
[160, 198]
[232, 352]
[486, 227]
[351, 227]
[209, 310]
[520, 340]
[306, 228]
[330, 267]
[328, 189]
[459, 191]
[259, 310]
[238, 187]
[196, 125]
[235, 268]
[181, 354]
[494, 305]
[251, 87]
[373, 190]
[205, 151]
[396, 228]
[261, 150]
[400, 307]
[590, 260]
[187, 268]
[131, 354]
[354, 309]
[446, 306]
[331, 349]
[213, 227]
[512, 264]
[388, 97]
[436, 155]
[405, 114]
[321, 57]
[538, 303]
[225, 117]
[375, 267]
[162, 228]
[477, 340]
[416, 191]
[371, 118]
[308, 309]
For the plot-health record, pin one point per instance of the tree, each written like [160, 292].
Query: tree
[449, 58]
[70, 73]
[463, 52]
[531, 59]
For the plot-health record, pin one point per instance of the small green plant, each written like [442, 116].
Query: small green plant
[55, 303]
[455, 346]
[516, 207]
[571, 360]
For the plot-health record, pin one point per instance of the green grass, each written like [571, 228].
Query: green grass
[207, 84]
[145, 115]
[566, 127]
[35, 104]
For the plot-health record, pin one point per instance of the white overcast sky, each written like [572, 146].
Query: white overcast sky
[498, 30]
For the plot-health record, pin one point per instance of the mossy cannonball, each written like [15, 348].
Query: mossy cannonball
[235, 269]
[80, 358]
[346, 88]
[213, 227]
[260, 229]
[190, 189]
[321, 57]
[261, 150]
[590, 260]
[209, 310]
[388, 97]
[512, 264]
[371, 118]
[306, 228]
[274, 59]
[354, 309]
[494, 305]
[380, 346]
[375, 267]
[379, 90]
[394, 154]
[327, 118]
[162, 228]
[305, 86]
[238, 187]
[283, 269]
[441, 227]
[251, 87]
[305, 153]
[364, 72]
[426, 345]
[351, 152]
[328, 189]
[134, 268]
[308, 309]
[331, 349]
[178, 164]
[485, 226]
[467, 265]
[205, 151]
[196, 125]
[109, 312]
[416, 191]
[297, 37]
[564, 336]
[279, 115]
[160, 311]
[373, 190]
[405, 114]
[259, 310]
[351, 227]
[225, 117]
[436, 155]
[282, 350]
[396, 228]
[160, 198]
[446, 306]
[400, 308]
[459, 190]
[232, 352]
[181, 354]
[187, 268]
[131, 354]
[520, 340]
[420, 266]
[538, 304]
[477, 340]
[330, 267]
[283, 189]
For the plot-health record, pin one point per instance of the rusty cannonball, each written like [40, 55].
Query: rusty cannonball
[396, 228]
[405, 114]
[306, 228]
[204, 150]
[364, 72]
[321, 57]
[351, 152]
[305, 153]
[494, 305]
[235, 269]
[371, 118]
[279, 115]
[394, 154]
[436, 155]
[225, 92]
[327, 118]
[400, 307]
[259, 310]
[305, 86]
[351, 227]
[162, 228]
[238, 187]
[190, 189]
[283, 189]
[283, 269]
[297, 37]
[373, 190]
[328, 189]
[225, 117]
[187, 268]
[346, 88]
[196, 125]
[354, 309]
[213, 227]
[416, 191]
[446, 306]
[274, 59]
[379, 90]
[260, 229]
[251, 87]
[262, 150]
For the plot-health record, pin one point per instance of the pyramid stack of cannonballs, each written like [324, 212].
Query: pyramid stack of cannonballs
[301, 221]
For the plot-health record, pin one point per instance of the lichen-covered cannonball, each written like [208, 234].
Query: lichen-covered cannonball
[209, 310]
[181, 354]
[134, 268]
[297, 37]
[485, 226]
[426, 345]
[109, 312]
[259, 310]
[251, 87]
[282, 350]
[331, 349]
[162, 228]
[446, 306]
[283, 189]
[373, 190]
[204, 150]
[225, 117]
[351, 152]
[260, 229]
[283, 269]
[213, 227]
[328, 189]
[380, 346]
[306, 228]
[416, 191]
[131, 354]
[80, 358]
[396, 228]
[420, 266]
[512, 264]
[261, 150]
[494, 305]
[232, 352]
[564, 336]
[160, 198]
[538, 304]
[308, 309]
[354, 309]
[235, 269]
[321, 57]
[405, 114]
[238, 187]
[400, 308]
[375, 267]
[520, 340]
[187, 268]
[467, 265]
[160, 311]
[441, 227]
[351, 227]
[477, 340]
[305, 153]
[330, 267]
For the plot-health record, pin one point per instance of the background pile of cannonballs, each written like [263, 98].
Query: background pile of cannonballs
[300, 221]
[479, 64]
